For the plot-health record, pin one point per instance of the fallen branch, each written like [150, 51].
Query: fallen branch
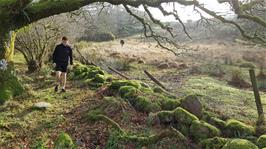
[119, 73]
[154, 79]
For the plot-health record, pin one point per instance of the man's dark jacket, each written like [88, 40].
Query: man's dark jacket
[62, 54]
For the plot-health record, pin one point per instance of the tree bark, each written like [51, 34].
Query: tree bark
[7, 43]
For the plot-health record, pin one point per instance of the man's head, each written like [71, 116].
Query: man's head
[65, 40]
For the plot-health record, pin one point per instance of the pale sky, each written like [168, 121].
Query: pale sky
[187, 13]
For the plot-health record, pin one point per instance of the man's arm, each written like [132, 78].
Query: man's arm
[71, 56]
[55, 54]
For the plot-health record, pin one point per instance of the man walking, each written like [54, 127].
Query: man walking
[61, 57]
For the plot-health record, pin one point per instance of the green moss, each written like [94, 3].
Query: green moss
[183, 116]
[213, 143]
[127, 91]
[200, 130]
[99, 78]
[165, 117]
[168, 103]
[119, 83]
[261, 142]
[64, 141]
[143, 104]
[236, 128]
[239, 144]
[217, 122]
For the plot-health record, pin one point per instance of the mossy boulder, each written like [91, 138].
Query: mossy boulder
[192, 104]
[99, 78]
[144, 104]
[236, 128]
[119, 83]
[168, 103]
[217, 122]
[239, 144]
[183, 116]
[261, 142]
[214, 143]
[86, 72]
[64, 141]
[165, 117]
[127, 91]
[200, 130]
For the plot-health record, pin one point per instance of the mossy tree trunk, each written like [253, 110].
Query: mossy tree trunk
[7, 45]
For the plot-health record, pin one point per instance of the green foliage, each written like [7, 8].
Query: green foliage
[114, 140]
[200, 130]
[236, 128]
[5, 95]
[214, 143]
[10, 85]
[64, 141]
[261, 142]
[127, 91]
[239, 144]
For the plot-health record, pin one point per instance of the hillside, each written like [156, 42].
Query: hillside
[103, 110]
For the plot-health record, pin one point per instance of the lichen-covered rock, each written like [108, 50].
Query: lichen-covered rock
[239, 144]
[127, 91]
[200, 130]
[192, 104]
[119, 83]
[236, 128]
[213, 143]
[42, 106]
[64, 141]
[183, 116]
[261, 142]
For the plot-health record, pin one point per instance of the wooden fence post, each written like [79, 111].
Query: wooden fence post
[257, 95]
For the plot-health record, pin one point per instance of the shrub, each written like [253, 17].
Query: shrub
[99, 37]
[238, 80]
